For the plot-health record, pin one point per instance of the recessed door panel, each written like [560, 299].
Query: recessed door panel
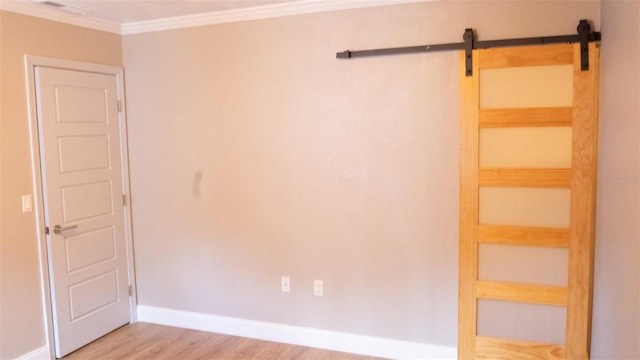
[539, 207]
[526, 86]
[86, 201]
[92, 294]
[523, 264]
[81, 153]
[525, 147]
[536, 323]
[90, 248]
[81, 104]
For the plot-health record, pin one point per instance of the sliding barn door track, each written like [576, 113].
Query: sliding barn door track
[584, 37]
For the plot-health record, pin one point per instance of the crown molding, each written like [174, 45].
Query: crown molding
[255, 13]
[32, 9]
[219, 17]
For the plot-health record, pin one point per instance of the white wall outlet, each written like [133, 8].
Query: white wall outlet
[318, 288]
[26, 203]
[285, 284]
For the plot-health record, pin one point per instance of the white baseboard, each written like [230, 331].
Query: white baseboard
[324, 339]
[37, 354]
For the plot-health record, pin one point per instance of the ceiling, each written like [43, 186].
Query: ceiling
[136, 16]
[133, 11]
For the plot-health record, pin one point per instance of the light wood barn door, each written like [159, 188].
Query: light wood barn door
[527, 203]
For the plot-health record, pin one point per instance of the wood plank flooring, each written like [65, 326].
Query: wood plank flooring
[149, 341]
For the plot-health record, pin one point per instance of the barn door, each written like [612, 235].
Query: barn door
[527, 203]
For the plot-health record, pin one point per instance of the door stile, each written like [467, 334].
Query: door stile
[468, 252]
[583, 190]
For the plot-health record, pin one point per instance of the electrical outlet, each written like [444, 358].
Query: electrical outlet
[285, 284]
[318, 288]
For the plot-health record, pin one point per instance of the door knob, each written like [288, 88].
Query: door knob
[59, 229]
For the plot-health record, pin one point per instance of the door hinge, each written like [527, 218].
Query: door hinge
[119, 106]
[124, 199]
[130, 290]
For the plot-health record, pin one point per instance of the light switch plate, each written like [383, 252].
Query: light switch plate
[26, 203]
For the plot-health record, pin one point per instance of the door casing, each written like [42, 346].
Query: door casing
[31, 62]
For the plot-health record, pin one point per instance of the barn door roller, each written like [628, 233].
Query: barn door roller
[584, 37]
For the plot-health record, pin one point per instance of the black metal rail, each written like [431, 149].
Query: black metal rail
[584, 37]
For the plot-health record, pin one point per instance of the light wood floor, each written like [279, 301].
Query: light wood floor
[150, 341]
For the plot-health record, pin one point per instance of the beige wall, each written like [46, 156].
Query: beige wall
[616, 315]
[21, 314]
[317, 168]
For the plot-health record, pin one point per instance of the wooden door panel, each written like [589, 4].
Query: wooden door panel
[525, 147]
[522, 321]
[523, 264]
[524, 206]
[526, 87]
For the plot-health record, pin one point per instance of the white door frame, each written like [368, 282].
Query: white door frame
[30, 63]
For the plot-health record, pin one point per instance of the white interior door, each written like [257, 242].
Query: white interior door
[79, 131]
